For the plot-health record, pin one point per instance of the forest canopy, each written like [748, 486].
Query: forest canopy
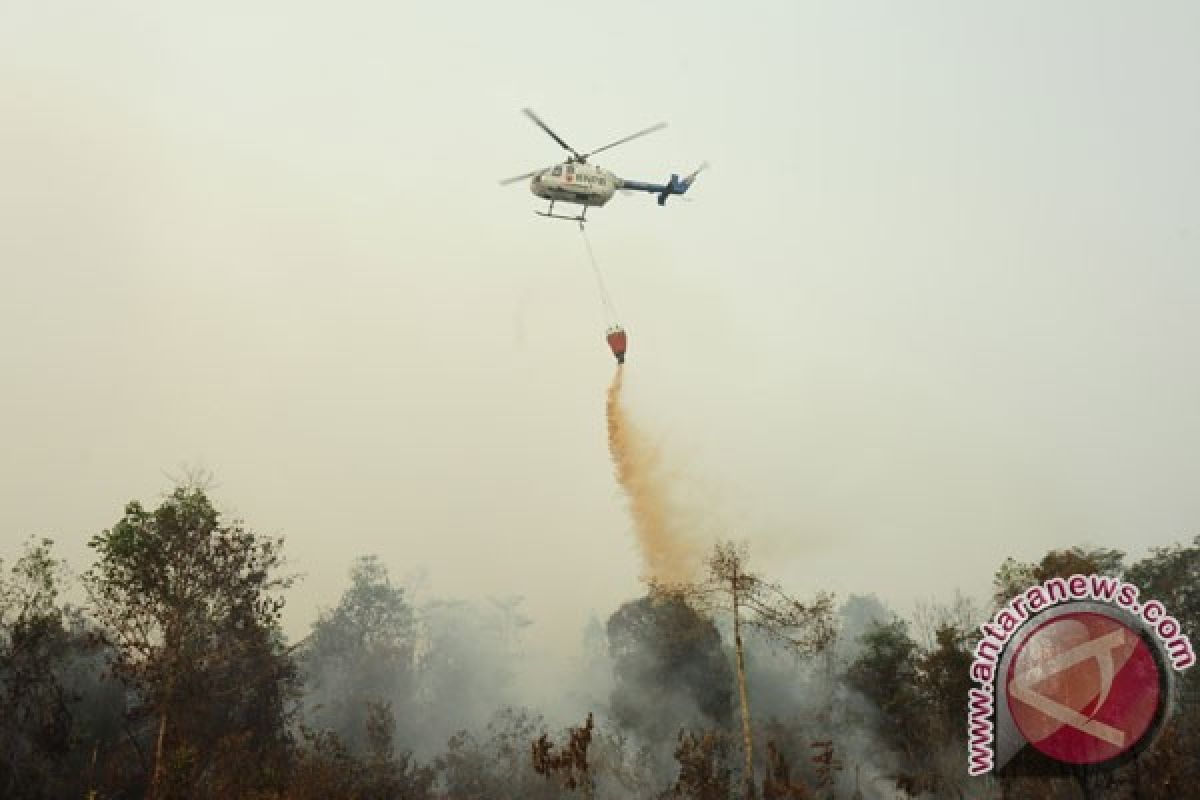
[173, 678]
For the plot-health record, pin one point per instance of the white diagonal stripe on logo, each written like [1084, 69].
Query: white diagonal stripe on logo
[1021, 686]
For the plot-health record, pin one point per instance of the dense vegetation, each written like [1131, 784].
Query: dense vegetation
[173, 679]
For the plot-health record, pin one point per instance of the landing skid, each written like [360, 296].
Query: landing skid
[549, 213]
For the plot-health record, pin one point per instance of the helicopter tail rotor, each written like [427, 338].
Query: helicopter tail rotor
[675, 186]
[688, 180]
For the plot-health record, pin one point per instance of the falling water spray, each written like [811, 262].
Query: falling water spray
[666, 550]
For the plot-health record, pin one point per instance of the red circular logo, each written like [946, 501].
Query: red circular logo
[1084, 688]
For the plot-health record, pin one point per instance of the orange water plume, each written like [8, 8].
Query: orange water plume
[665, 549]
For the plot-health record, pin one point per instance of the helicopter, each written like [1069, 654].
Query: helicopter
[578, 182]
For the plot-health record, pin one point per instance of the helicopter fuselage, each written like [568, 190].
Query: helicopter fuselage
[574, 182]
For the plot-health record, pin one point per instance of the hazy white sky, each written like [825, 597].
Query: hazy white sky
[934, 304]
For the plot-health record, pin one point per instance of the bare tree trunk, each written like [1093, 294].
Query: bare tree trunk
[1082, 777]
[747, 739]
[152, 794]
[91, 780]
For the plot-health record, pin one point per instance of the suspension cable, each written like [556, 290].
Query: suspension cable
[605, 298]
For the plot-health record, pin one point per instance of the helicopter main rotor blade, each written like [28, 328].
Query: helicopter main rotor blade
[524, 177]
[628, 138]
[537, 121]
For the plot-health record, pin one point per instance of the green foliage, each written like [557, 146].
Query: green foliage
[53, 701]
[165, 580]
[191, 606]
[669, 666]
[1079, 561]
[886, 674]
[36, 723]
[920, 697]
[1172, 575]
[1171, 767]
[188, 608]
[361, 652]
[944, 681]
[1014, 577]
[385, 773]
[31, 589]
[324, 767]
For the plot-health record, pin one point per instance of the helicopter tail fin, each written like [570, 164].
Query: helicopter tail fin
[677, 186]
[673, 186]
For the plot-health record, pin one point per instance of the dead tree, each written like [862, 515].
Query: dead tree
[778, 785]
[753, 602]
[570, 765]
[702, 771]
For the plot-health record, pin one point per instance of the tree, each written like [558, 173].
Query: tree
[191, 606]
[1014, 577]
[55, 708]
[361, 652]
[703, 774]
[929, 616]
[754, 602]
[944, 682]
[496, 765]
[886, 674]
[621, 765]
[669, 671]
[37, 721]
[386, 773]
[1171, 575]
[324, 767]
[778, 784]
[570, 764]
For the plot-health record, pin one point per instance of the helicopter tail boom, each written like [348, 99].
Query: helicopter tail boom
[675, 185]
